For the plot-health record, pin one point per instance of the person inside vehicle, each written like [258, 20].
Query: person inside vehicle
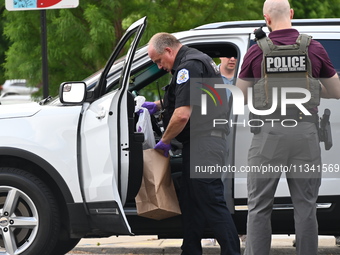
[227, 68]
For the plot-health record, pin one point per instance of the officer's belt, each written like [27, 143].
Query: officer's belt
[291, 114]
[218, 133]
[213, 133]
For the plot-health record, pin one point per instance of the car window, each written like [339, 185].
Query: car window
[150, 80]
[332, 48]
[19, 84]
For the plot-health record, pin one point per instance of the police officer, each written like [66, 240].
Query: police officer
[276, 145]
[201, 199]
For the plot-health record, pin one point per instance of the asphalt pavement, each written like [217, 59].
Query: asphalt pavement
[142, 245]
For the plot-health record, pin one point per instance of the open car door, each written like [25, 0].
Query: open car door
[105, 138]
[120, 127]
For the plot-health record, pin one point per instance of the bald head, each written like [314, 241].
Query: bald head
[278, 14]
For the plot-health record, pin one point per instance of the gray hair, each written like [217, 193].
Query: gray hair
[162, 40]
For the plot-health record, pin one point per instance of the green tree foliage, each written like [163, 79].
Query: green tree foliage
[313, 9]
[80, 40]
[4, 44]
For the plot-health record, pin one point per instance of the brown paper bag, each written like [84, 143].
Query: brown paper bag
[157, 197]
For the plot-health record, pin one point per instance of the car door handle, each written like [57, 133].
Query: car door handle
[101, 114]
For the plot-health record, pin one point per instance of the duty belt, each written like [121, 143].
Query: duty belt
[218, 133]
[213, 133]
[295, 115]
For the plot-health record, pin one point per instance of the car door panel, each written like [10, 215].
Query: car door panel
[105, 142]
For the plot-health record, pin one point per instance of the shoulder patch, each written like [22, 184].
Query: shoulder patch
[182, 76]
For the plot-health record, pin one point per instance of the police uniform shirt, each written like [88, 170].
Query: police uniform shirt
[184, 90]
[321, 64]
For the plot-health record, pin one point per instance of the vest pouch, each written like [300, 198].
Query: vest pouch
[263, 92]
[315, 91]
[260, 99]
[309, 83]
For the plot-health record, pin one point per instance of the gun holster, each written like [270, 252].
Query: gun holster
[254, 129]
[325, 132]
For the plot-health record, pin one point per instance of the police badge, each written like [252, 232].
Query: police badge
[182, 76]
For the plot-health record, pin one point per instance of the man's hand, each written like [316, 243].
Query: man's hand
[164, 147]
[151, 106]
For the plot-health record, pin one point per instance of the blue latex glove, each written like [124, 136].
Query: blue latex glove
[140, 111]
[164, 147]
[151, 106]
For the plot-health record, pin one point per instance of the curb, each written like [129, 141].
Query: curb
[177, 250]
[142, 250]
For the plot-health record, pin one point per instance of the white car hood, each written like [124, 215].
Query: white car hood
[19, 110]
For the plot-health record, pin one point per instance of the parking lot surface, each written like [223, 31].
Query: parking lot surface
[133, 245]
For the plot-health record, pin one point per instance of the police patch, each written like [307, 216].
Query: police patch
[182, 76]
[286, 64]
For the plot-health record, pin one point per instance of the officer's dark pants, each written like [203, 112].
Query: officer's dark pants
[202, 202]
[296, 148]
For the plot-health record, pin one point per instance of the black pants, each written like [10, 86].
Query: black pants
[202, 202]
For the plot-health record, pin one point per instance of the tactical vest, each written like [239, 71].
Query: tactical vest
[285, 66]
[212, 77]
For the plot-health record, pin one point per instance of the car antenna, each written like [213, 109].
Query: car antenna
[160, 97]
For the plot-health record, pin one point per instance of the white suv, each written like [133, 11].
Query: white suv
[70, 167]
[17, 87]
[16, 91]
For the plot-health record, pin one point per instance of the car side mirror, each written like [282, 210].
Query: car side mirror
[72, 92]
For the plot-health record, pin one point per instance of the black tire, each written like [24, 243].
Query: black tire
[64, 246]
[24, 195]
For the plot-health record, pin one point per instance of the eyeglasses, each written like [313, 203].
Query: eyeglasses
[231, 56]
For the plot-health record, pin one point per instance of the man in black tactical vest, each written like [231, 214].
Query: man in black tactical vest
[286, 61]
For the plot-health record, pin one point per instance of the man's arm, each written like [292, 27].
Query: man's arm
[330, 87]
[177, 123]
[244, 85]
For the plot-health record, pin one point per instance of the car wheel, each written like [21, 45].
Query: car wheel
[29, 217]
[64, 246]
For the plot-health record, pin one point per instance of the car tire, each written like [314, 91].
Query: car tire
[29, 216]
[64, 246]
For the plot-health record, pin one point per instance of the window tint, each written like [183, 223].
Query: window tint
[332, 48]
[19, 84]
